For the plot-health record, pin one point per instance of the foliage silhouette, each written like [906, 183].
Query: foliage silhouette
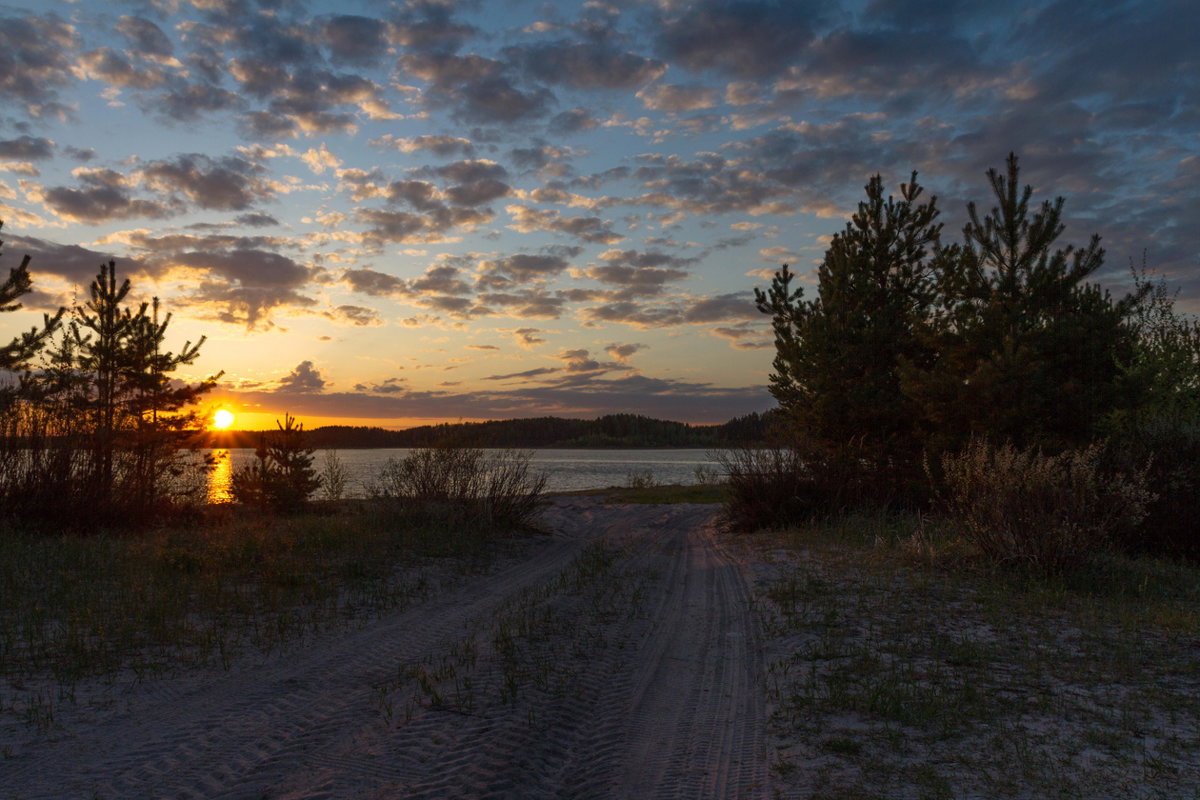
[282, 476]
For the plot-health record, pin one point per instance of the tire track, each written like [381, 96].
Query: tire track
[255, 726]
[653, 691]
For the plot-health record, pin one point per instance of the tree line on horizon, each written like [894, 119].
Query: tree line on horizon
[922, 367]
[607, 431]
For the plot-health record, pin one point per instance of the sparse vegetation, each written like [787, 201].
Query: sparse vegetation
[901, 664]
[1047, 512]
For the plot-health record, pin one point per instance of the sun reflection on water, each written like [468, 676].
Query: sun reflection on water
[220, 479]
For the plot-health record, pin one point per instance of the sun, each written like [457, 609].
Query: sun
[222, 419]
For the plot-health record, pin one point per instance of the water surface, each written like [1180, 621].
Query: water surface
[566, 470]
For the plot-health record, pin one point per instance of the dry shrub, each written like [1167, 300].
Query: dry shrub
[1047, 512]
[766, 487]
[464, 484]
[803, 479]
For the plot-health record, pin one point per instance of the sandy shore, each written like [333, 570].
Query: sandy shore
[617, 657]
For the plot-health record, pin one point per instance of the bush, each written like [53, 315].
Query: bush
[1047, 512]
[766, 487]
[1170, 444]
[784, 484]
[640, 479]
[464, 485]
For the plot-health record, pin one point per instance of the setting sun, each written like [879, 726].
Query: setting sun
[222, 419]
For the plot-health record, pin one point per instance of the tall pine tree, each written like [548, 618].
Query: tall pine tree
[838, 355]
[1024, 348]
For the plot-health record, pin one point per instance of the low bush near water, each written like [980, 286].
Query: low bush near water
[463, 484]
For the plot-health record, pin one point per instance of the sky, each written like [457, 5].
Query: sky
[397, 213]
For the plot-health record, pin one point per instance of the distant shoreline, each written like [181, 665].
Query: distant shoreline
[610, 432]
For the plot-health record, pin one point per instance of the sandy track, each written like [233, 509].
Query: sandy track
[619, 659]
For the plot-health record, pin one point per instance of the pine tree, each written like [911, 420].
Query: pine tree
[112, 364]
[836, 370]
[16, 355]
[1025, 348]
[282, 475]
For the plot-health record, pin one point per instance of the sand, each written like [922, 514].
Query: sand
[561, 673]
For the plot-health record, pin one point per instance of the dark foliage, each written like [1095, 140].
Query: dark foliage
[912, 349]
[282, 476]
[95, 432]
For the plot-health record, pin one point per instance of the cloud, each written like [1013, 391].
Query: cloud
[520, 268]
[35, 61]
[575, 120]
[675, 98]
[733, 306]
[696, 402]
[304, 379]
[444, 145]
[585, 65]
[594, 230]
[623, 352]
[405, 227]
[320, 160]
[186, 102]
[475, 88]
[441, 279]
[528, 337]
[526, 303]
[76, 264]
[744, 336]
[228, 184]
[145, 37]
[358, 316]
[111, 67]
[104, 195]
[750, 39]
[643, 272]
[28, 148]
[352, 39]
[378, 284]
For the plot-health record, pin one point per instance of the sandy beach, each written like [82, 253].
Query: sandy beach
[617, 656]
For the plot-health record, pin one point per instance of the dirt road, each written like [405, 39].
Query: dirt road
[618, 658]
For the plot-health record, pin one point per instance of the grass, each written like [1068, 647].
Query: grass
[76, 607]
[900, 668]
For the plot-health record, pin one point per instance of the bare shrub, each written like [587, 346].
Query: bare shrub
[333, 477]
[640, 479]
[464, 484]
[1047, 512]
[766, 487]
[797, 479]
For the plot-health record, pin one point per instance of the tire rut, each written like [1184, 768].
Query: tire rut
[638, 680]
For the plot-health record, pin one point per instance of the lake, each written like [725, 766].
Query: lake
[566, 470]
